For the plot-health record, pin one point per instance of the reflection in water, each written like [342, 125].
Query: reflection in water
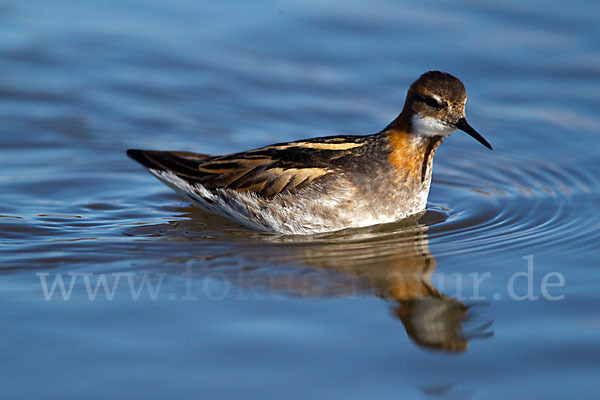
[391, 261]
[398, 269]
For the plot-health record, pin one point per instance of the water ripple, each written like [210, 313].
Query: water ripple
[526, 204]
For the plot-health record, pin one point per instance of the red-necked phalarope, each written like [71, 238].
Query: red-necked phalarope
[329, 183]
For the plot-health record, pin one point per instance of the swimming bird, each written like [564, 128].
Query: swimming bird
[327, 183]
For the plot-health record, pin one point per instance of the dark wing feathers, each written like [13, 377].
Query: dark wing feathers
[266, 171]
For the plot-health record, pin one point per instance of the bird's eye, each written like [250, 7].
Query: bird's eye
[432, 102]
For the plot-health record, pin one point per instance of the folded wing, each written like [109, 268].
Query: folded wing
[268, 171]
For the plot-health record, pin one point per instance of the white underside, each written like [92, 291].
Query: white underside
[285, 213]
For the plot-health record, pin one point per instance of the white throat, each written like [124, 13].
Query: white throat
[429, 126]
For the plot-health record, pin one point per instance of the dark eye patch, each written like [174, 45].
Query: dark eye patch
[431, 102]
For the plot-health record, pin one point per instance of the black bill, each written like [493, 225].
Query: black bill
[464, 126]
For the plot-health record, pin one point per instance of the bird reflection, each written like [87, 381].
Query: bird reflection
[392, 262]
[399, 269]
[395, 265]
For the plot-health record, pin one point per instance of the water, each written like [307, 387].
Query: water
[443, 308]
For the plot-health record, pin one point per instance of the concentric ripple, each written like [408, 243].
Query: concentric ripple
[522, 203]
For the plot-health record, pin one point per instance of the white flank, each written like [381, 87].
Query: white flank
[301, 215]
[209, 201]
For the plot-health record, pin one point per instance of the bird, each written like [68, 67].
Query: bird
[326, 184]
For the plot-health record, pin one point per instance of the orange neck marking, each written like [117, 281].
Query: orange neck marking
[410, 153]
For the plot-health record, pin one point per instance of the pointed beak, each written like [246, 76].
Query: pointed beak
[464, 126]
